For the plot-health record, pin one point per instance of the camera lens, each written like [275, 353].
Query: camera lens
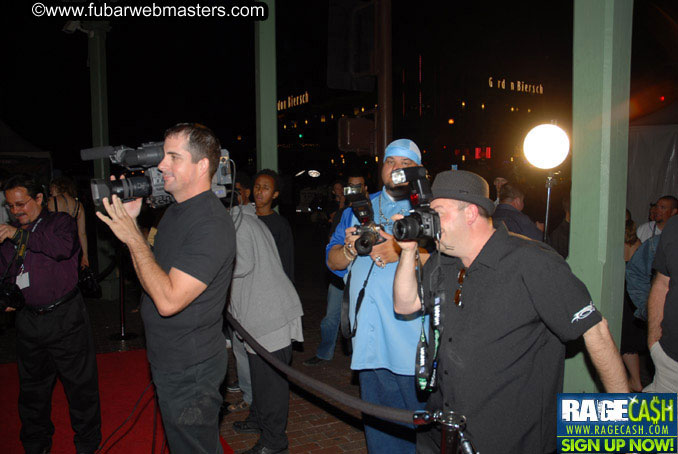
[407, 228]
[363, 245]
[126, 189]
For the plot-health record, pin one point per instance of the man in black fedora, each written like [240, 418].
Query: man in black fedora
[507, 306]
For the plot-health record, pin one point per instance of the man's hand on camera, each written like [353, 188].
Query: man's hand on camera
[121, 223]
[133, 207]
[7, 231]
[9, 309]
[385, 252]
[350, 238]
[406, 246]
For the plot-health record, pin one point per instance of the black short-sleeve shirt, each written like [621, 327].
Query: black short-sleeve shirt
[502, 352]
[666, 262]
[197, 237]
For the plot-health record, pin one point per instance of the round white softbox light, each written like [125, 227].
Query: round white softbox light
[546, 146]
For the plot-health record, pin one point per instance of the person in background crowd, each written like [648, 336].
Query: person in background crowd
[508, 306]
[634, 330]
[509, 211]
[662, 311]
[265, 303]
[64, 197]
[329, 326]
[54, 336]
[560, 237]
[666, 207]
[266, 190]
[337, 201]
[243, 184]
[498, 183]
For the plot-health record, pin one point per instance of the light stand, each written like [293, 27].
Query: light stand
[546, 146]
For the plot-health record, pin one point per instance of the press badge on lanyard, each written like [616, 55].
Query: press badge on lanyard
[22, 280]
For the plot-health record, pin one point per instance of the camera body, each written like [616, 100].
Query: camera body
[143, 178]
[423, 222]
[11, 296]
[367, 230]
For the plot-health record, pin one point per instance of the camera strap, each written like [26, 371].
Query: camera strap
[426, 368]
[346, 329]
[20, 240]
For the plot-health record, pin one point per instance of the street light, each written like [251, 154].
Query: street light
[546, 146]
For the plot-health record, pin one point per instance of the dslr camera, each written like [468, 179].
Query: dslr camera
[367, 230]
[143, 178]
[423, 222]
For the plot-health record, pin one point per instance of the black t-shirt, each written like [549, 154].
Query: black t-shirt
[501, 359]
[197, 237]
[666, 262]
[282, 234]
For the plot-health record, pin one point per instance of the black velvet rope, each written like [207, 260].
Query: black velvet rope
[378, 411]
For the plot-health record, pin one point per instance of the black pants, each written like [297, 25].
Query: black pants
[270, 398]
[58, 343]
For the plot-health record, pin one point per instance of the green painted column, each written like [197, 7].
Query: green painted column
[601, 81]
[266, 89]
[99, 108]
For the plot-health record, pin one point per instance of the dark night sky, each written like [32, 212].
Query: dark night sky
[163, 72]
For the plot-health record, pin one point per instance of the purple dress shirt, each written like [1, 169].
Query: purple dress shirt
[51, 260]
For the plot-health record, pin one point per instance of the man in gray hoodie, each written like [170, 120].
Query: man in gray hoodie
[265, 303]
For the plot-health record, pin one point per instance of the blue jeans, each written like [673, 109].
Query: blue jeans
[189, 402]
[383, 387]
[329, 326]
[242, 365]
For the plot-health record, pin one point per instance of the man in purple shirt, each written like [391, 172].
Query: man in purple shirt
[54, 336]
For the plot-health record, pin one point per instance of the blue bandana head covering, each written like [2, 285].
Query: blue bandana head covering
[404, 148]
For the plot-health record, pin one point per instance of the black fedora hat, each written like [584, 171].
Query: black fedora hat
[465, 186]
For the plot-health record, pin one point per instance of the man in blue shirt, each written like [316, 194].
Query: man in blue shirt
[384, 346]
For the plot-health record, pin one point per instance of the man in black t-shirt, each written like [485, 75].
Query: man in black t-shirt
[186, 278]
[662, 313]
[507, 306]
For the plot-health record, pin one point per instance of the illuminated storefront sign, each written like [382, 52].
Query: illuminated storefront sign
[293, 101]
[516, 85]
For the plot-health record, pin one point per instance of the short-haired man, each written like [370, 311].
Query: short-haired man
[510, 212]
[665, 208]
[186, 278]
[384, 345]
[329, 325]
[662, 313]
[266, 191]
[39, 251]
[507, 305]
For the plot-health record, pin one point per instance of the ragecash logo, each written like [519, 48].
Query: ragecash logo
[617, 423]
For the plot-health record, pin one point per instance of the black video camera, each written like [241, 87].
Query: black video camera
[423, 222]
[143, 178]
[367, 230]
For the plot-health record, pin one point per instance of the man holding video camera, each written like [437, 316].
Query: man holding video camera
[186, 278]
[506, 306]
[39, 264]
[383, 345]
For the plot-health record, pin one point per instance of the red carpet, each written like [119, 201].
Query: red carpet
[123, 377]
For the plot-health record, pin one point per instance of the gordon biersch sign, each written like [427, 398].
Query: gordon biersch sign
[617, 423]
